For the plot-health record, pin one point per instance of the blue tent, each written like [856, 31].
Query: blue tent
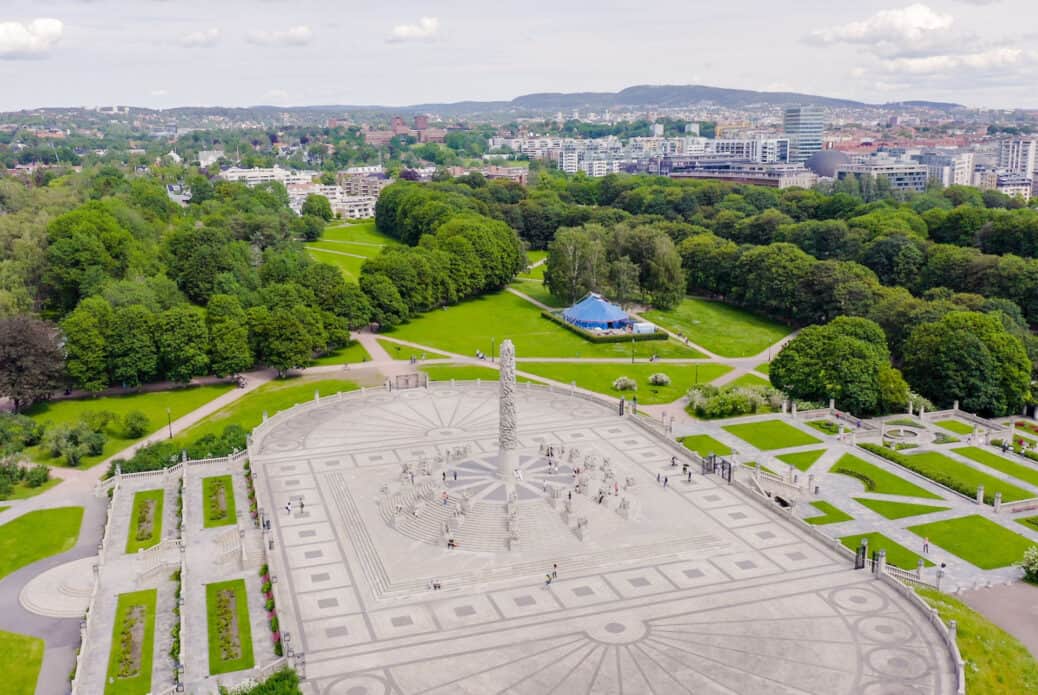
[595, 312]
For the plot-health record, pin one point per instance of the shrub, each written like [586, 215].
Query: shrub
[709, 402]
[263, 570]
[135, 424]
[274, 624]
[659, 379]
[18, 432]
[37, 475]
[1030, 564]
[625, 384]
[269, 605]
[266, 588]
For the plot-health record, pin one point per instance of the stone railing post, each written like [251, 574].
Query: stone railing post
[881, 563]
[919, 568]
[980, 494]
[998, 502]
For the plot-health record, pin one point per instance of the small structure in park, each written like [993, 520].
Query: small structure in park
[595, 313]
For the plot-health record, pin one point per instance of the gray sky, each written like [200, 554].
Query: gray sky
[163, 53]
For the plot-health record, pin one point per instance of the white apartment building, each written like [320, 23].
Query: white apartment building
[254, 177]
[1019, 157]
[350, 207]
[948, 168]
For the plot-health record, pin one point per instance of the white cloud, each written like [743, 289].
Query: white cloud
[203, 37]
[983, 61]
[294, 36]
[425, 29]
[159, 93]
[31, 39]
[902, 26]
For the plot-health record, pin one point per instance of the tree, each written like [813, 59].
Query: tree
[576, 263]
[183, 343]
[388, 309]
[972, 358]
[132, 356]
[229, 351]
[318, 206]
[31, 361]
[283, 342]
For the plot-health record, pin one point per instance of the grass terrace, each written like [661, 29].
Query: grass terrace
[802, 460]
[277, 395]
[599, 377]
[877, 479]
[1020, 471]
[704, 445]
[764, 368]
[36, 535]
[747, 380]
[145, 520]
[830, 514]
[230, 634]
[535, 289]
[465, 372]
[472, 325]
[357, 233]
[771, 434]
[956, 426]
[348, 264]
[21, 491]
[897, 554]
[133, 639]
[897, 510]
[21, 657]
[352, 354]
[976, 540]
[153, 404]
[404, 352]
[961, 477]
[218, 497]
[720, 328]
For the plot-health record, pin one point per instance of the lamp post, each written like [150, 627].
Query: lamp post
[492, 349]
[632, 348]
[169, 422]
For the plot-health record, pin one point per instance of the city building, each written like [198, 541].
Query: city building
[253, 177]
[948, 168]
[903, 175]
[1019, 157]
[771, 175]
[804, 126]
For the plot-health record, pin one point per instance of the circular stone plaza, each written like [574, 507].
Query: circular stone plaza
[412, 534]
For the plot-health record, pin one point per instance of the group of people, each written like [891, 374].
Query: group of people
[480, 355]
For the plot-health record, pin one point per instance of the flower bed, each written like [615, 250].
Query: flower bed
[230, 634]
[218, 496]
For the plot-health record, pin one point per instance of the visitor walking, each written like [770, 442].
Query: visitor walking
[288, 508]
[445, 476]
[673, 461]
[547, 581]
[455, 476]
[658, 478]
[555, 570]
[690, 476]
[926, 546]
[666, 480]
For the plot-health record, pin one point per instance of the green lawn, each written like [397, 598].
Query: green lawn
[349, 266]
[20, 659]
[771, 434]
[535, 289]
[764, 368]
[939, 467]
[897, 554]
[599, 377]
[142, 539]
[748, 380]
[465, 372]
[348, 247]
[138, 680]
[235, 626]
[802, 460]
[704, 445]
[897, 510]
[472, 325]
[277, 395]
[877, 479]
[357, 232]
[720, 328]
[533, 257]
[36, 535]
[1019, 471]
[996, 662]
[956, 426]
[404, 352]
[4, 508]
[219, 508]
[830, 514]
[1030, 522]
[153, 404]
[353, 354]
[976, 540]
[21, 491]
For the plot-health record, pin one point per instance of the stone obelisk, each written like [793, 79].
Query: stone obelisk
[508, 438]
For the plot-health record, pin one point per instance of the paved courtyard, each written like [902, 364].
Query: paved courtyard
[688, 587]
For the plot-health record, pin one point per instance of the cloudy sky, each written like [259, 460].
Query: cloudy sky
[163, 53]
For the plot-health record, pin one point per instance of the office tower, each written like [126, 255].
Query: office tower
[803, 125]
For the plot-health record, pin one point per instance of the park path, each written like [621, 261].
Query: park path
[337, 253]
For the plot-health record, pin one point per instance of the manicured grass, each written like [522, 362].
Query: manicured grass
[704, 445]
[153, 404]
[277, 395]
[348, 247]
[3, 508]
[216, 514]
[471, 325]
[36, 535]
[939, 467]
[749, 380]
[243, 660]
[771, 434]
[535, 289]
[21, 491]
[877, 479]
[465, 372]
[955, 426]
[996, 662]
[897, 554]
[533, 257]
[357, 232]
[404, 352]
[599, 377]
[139, 682]
[830, 515]
[353, 354]
[138, 539]
[764, 368]
[20, 659]
[802, 460]
[720, 328]
[976, 540]
[897, 510]
[824, 426]
[1019, 471]
[1030, 522]
[349, 266]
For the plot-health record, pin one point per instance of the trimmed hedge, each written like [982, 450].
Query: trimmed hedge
[595, 338]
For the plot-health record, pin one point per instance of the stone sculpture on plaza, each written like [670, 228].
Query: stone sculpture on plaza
[508, 437]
